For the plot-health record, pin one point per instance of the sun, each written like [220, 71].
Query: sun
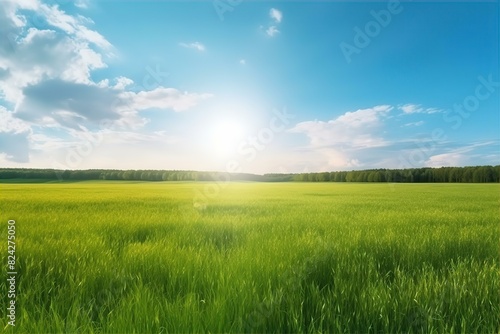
[225, 136]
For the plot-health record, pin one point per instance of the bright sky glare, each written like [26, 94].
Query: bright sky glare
[266, 86]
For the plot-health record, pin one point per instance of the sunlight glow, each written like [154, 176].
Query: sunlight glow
[226, 136]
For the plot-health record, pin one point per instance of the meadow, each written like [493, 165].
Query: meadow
[138, 257]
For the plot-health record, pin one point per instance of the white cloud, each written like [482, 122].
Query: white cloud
[128, 137]
[419, 123]
[336, 158]
[272, 31]
[354, 129]
[243, 62]
[446, 160]
[431, 154]
[164, 98]
[364, 117]
[42, 142]
[69, 104]
[62, 47]
[83, 4]
[276, 15]
[195, 45]
[73, 25]
[45, 72]
[74, 105]
[122, 83]
[339, 139]
[409, 108]
[8, 123]
[417, 108]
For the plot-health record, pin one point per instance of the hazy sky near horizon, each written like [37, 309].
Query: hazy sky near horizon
[251, 86]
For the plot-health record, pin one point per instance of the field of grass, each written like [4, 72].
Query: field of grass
[132, 257]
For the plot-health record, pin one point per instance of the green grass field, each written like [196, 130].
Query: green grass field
[132, 257]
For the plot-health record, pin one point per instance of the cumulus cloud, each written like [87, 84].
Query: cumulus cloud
[164, 98]
[122, 83]
[46, 60]
[74, 105]
[55, 45]
[67, 103]
[74, 26]
[340, 138]
[356, 129]
[195, 45]
[8, 123]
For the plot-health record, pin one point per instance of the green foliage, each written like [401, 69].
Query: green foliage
[477, 174]
[137, 257]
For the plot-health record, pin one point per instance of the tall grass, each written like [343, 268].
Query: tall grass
[105, 257]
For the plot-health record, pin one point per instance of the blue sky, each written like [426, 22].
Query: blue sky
[283, 86]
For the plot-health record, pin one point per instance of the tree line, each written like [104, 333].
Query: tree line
[130, 175]
[475, 174]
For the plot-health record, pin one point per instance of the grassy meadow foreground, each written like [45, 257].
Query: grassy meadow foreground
[138, 257]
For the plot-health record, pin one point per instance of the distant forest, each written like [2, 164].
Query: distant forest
[477, 174]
